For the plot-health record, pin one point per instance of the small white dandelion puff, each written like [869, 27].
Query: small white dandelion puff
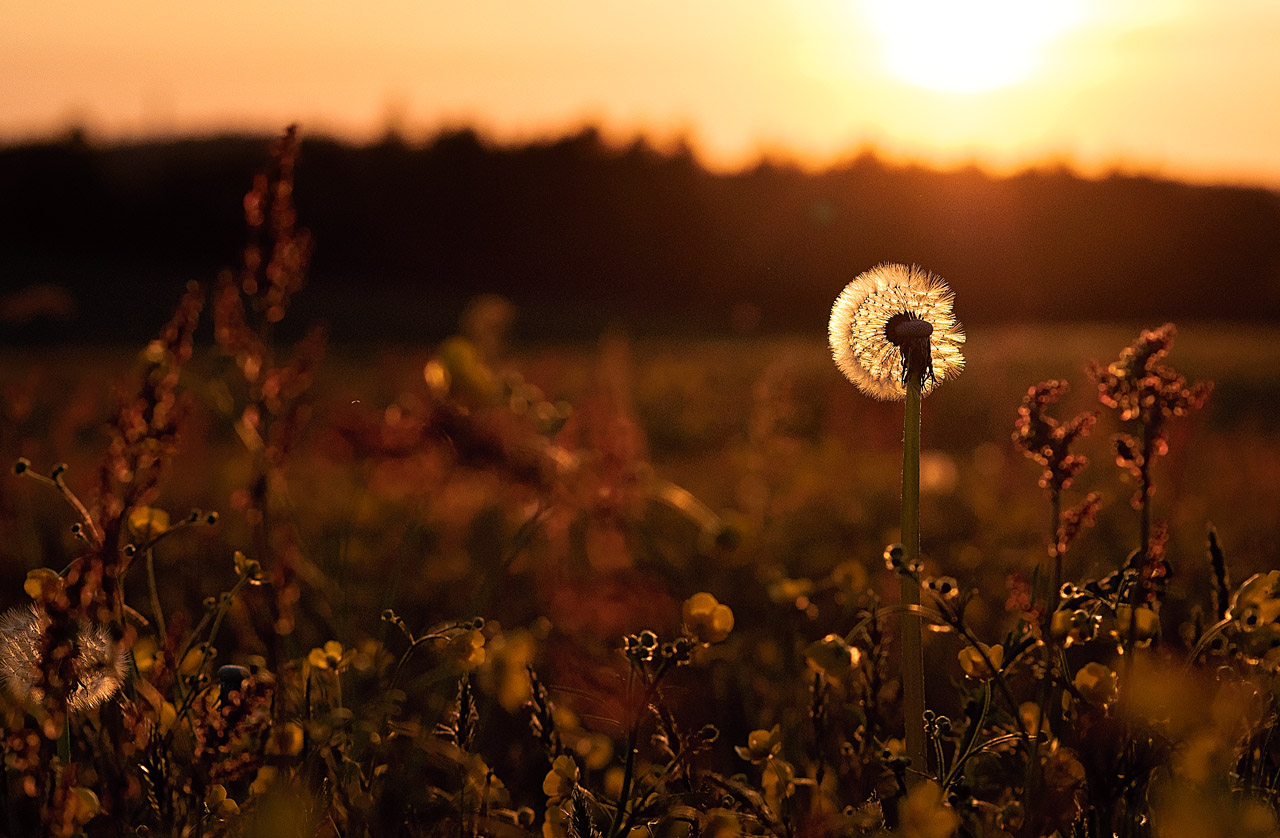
[99, 666]
[891, 318]
[20, 632]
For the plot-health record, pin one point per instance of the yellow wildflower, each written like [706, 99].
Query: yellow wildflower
[562, 778]
[556, 822]
[791, 592]
[1096, 683]
[778, 781]
[721, 823]
[263, 780]
[1062, 770]
[922, 814]
[218, 804]
[595, 749]
[706, 619]
[459, 369]
[42, 580]
[761, 745]
[894, 749]
[833, 658]
[1034, 720]
[168, 716]
[250, 569]
[331, 656]
[194, 659]
[975, 665]
[285, 739]
[851, 576]
[1202, 757]
[83, 805]
[1257, 589]
[1070, 627]
[467, 648]
[1146, 623]
[145, 522]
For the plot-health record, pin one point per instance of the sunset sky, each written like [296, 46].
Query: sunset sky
[1185, 88]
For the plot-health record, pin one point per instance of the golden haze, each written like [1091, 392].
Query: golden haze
[1186, 88]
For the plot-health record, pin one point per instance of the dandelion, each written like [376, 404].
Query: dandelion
[893, 334]
[20, 632]
[887, 321]
[98, 667]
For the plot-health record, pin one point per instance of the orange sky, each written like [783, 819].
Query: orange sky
[1188, 88]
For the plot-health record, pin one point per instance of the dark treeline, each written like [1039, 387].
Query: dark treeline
[581, 234]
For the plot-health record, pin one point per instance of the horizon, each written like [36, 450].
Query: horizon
[619, 142]
[1175, 89]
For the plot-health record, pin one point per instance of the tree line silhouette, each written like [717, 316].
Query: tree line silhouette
[580, 233]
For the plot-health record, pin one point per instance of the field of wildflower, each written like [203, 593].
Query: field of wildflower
[640, 588]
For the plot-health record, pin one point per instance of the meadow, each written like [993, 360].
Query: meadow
[636, 587]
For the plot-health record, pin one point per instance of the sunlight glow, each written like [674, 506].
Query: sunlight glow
[967, 46]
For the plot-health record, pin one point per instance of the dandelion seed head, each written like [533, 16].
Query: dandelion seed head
[878, 318]
[99, 665]
[20, 632]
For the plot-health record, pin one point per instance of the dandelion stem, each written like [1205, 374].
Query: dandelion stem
[912, 647]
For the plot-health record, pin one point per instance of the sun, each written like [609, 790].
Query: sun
[967, 46]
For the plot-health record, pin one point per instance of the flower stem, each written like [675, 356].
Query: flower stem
[912, 647]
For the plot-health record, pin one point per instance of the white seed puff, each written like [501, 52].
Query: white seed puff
[860, 343]
[99, 665]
